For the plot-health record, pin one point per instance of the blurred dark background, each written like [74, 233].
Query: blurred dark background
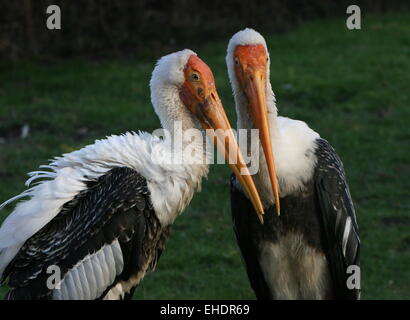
[108, 28]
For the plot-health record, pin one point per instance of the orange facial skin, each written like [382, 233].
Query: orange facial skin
[198, 91]
[251, 70]
[199, 95]
[250, 59]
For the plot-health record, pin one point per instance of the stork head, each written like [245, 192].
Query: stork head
[183, 88]
[248, 67]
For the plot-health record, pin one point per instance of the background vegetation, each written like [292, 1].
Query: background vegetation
[350, 86]
[107, 28]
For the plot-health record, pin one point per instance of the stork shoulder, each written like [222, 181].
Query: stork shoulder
[296, 129]
[171, 186]
[63, 179]
[294, 154]
[93, 232]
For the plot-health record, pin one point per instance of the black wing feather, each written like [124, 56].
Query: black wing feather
[336, 208]
[116, 206]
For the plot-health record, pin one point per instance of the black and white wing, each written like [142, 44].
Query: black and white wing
[340, 229]
[102, 241]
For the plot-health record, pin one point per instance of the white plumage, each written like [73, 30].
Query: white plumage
[171, 185]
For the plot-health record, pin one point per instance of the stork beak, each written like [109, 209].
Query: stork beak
[214, 117]
[255, 87]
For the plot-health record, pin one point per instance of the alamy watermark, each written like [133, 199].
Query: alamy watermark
[354, 21]
[54, 19]
[54, 280]
[194, 146]
[353, 281]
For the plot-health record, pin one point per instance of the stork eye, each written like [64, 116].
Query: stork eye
[195, 77]
[236, 61]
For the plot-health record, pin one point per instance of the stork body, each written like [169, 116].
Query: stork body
[98, 217]
[305, 252]
[102, 215]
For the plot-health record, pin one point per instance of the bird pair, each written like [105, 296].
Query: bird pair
[100, 216]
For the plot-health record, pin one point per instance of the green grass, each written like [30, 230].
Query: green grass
[350, 86]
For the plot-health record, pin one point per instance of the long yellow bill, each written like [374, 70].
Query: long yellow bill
[199, 94]
[256, 92]
[228, 146]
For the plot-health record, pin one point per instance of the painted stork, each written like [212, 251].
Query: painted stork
[102, 214]
[310, 236]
